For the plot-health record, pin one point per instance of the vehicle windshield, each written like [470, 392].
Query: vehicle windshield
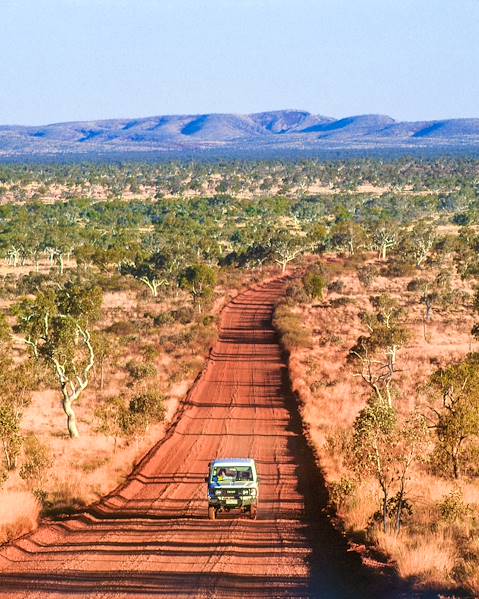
[231, 474]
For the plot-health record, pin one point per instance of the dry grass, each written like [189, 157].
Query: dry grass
[429, 557]
[19, 514]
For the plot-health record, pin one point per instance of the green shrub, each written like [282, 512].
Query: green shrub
[123, 417]
[10, 435]
[314, 285]
[145, 409]
[171, 343]
[367, 274]
[37, 460]
[452, 508]
[140, 370]
[32, 283]
[165, 318]
[204, 336]
[340, 491]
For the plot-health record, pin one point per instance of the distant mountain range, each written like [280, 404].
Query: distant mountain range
[281, 130]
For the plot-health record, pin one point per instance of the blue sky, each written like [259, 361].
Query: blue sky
[87, 59]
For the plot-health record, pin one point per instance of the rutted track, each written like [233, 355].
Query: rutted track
[151, 536]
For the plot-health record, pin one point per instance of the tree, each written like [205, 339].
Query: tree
[377, 352]
[10, 434]
[199, 280]
[286, 246]
[385, 447]
[60, 242]
[348, 235]
[456, 421]
[418, 243]
[57, 325]
[385, 236]
[146, 271]
[314, 283]
[429, 296]
[104, 350]
[16, 383]
[316, 237]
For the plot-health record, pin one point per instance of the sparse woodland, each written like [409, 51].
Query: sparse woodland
[383, 356]
[111, 282]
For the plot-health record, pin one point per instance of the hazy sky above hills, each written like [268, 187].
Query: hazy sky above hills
[87, 59]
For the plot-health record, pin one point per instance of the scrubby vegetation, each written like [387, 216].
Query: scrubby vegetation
[110, 287]
[390, 399]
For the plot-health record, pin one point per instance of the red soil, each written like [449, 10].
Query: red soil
[151, 537]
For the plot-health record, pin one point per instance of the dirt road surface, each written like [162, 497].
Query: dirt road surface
[151, 537]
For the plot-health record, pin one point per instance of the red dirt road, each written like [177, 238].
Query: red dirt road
[152, 538]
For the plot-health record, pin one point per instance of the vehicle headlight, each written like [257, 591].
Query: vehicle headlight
[246, 491]
[253, 492]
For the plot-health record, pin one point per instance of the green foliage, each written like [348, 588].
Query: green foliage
[16, 384]
[340, 491]
[368, 274]
[456, 390]
[54, 319]
[152, 271]
[165, 318]
[286, 245]
[146, 408]
[373, 428]
[396, 506]
[346, 235]
[376, 353]
[140, 370]
[452, 508]
[384, 446]
[199, 279]
[5, 331]
[10, 434]
[314, 283]
[57, 327]
[37, 460]
[124, 416]
[184, 315]
[418, 243]
[123, 328]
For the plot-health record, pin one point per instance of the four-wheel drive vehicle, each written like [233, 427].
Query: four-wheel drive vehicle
[232, 485]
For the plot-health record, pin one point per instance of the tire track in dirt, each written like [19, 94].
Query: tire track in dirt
[151, 537]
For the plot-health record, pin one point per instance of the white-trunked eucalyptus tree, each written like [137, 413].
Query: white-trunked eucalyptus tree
[57, 325]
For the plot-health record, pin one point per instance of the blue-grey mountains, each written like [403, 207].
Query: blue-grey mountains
[282, 130]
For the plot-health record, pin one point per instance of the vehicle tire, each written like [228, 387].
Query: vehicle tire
[211, 512]
[253, 511]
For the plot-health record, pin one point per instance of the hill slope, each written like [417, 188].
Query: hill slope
[276, 130]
